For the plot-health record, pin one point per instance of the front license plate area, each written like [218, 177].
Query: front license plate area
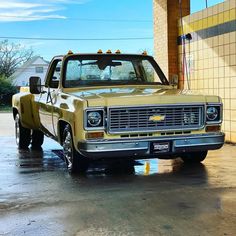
[160, 147]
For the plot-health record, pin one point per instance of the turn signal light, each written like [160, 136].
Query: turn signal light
[95, 135]
[214, 128]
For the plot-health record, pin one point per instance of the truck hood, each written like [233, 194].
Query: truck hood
[139, 95]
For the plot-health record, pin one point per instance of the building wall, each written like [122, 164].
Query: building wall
[174, 15]
[211, 57]
[161, 34]
[166, 15]
[21, 78]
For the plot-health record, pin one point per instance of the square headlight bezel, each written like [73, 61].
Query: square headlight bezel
[87, 126]
[219, 107]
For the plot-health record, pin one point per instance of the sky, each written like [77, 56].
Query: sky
[112, 20]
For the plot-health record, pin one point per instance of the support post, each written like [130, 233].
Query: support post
[166, 17]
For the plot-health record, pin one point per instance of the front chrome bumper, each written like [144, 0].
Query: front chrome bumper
[141, 148]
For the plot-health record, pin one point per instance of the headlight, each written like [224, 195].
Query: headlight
[213, 113]
[94, 119]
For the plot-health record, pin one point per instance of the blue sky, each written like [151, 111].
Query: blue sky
[77, 19]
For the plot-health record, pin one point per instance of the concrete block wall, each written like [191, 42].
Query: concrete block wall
[211, 57]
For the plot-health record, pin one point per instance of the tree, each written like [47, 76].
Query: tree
[12, 56]
[6, 91]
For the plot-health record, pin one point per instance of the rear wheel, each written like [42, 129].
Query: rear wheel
[37, 139]
[23, 135]
[75, 162]
[194, 157]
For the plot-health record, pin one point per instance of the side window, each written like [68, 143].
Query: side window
[151, 74]
[55, 74]
[73, 73]
[73, 70]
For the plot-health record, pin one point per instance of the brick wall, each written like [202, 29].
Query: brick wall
[166, 16]
[161, 34]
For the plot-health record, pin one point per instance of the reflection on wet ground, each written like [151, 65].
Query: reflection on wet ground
[37, 161]
[150, 197]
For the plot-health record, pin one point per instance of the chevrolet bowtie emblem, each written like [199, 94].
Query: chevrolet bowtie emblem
[157, 118]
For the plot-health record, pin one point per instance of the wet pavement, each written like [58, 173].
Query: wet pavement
[154, 197]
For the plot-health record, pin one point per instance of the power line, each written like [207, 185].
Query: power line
[75, 18]
[76, 39]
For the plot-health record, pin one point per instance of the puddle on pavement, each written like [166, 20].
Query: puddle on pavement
[52, 160]
[37, 161]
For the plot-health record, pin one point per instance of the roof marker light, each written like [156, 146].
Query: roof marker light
[109, 51]
[118, 52]
[70, 52]
[145, 53]
[100, 51]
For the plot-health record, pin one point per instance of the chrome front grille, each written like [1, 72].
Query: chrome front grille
[155, 118]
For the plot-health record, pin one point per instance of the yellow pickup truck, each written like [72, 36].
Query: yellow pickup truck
[115, 106]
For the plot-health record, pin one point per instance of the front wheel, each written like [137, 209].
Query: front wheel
[75, 162]
[23, 135]
[194, 157]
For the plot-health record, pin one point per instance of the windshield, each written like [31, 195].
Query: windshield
[109, 71]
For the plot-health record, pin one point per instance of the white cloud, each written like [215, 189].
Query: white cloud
[30, 44]
[17, 5]
[20, 10]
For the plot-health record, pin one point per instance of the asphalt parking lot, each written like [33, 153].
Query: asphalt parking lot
[155, 197]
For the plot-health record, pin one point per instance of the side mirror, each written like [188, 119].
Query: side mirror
[35, 85]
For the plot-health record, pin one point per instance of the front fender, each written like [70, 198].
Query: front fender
[70, 111]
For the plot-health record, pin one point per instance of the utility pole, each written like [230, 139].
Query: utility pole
[206, 3]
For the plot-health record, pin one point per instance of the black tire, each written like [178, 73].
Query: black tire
[37, 139]
[75, 162]
[23, 135]
[194, 157]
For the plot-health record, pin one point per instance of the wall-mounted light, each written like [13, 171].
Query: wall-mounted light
[188, 36]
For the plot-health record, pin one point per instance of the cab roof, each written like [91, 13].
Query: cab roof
[107, 53]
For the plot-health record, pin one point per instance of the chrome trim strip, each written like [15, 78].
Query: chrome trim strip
[117, 150]
[157, 130]
[196, 145]
[160, 105]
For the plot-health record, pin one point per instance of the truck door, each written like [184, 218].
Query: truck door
[48, 99]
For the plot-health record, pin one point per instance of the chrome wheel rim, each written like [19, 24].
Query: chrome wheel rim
[68, 150]
[17, 131]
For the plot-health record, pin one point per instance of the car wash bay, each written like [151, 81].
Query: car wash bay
[154, 197]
